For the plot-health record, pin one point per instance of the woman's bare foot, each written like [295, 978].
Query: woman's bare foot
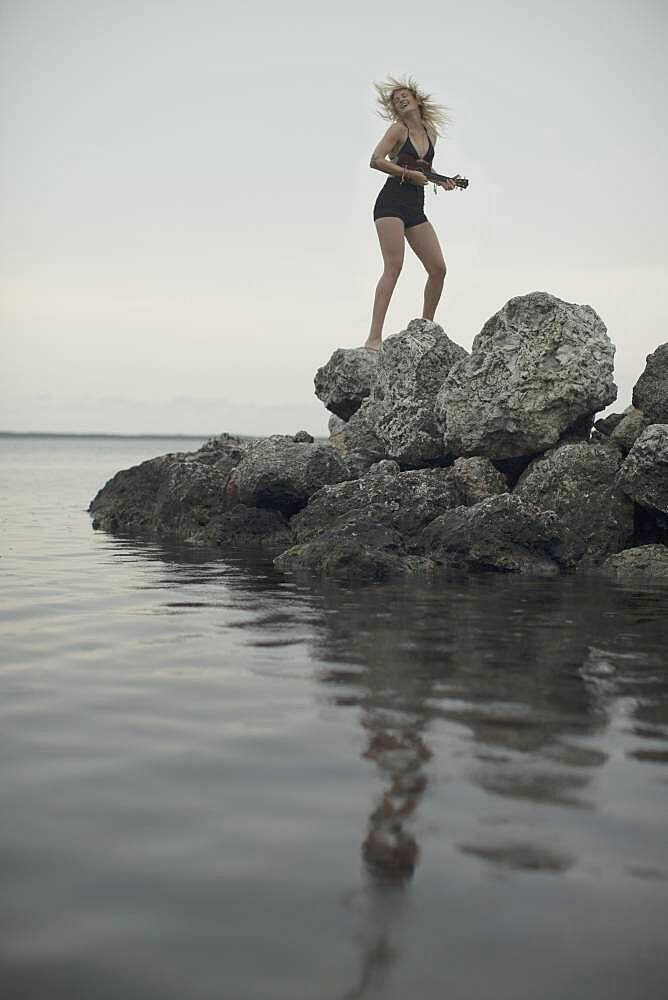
[372, 345]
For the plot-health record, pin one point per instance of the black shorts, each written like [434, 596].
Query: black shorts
[400, 201]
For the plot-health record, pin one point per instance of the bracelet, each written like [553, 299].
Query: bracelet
[403, 175]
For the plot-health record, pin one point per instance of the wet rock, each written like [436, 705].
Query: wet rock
[644, 563]
[411, 370]
[629, 429]
[282, 474]
[345, 380]
[644, 473]
[176, 494]
[578, 482]
[650, 393]
[356, 442]
[355, 549]
[478, 479]
[504, 533]
[348, 551]
[404, 503]
[537, 368]
[246, 527]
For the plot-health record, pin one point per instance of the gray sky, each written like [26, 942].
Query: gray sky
[186, 203]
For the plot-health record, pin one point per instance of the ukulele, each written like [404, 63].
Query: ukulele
[411, 163]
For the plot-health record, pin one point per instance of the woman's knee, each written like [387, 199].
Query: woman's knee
[437, 270]
[392, 269]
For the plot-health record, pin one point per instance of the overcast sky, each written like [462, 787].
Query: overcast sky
[186, 204]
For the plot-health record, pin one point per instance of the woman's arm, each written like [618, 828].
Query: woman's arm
[379, 160]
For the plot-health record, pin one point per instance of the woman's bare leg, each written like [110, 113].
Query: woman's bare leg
[424, 242]
[391, 235]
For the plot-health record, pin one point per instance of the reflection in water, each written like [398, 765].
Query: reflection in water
[526, 677]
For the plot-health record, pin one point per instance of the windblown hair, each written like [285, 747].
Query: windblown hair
[433, 114]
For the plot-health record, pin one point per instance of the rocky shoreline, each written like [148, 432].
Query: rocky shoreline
[438, 462]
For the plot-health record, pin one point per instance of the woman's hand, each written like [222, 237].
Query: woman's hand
[416, 177]
[449, 185]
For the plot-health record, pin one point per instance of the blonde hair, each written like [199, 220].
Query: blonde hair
[433, 114]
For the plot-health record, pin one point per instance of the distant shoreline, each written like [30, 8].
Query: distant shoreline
[93, 434]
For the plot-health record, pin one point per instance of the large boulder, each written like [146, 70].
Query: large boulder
[478, 479]
[356, 441]
[281, 474]
[356, 549]
[650, 393]
[411, 370]
[643, 564]
[628, 430]
[537, 368]
[644, 474]
[504, 533]
[405, 502]
[346, 379]
[578, 483]
[177, 494]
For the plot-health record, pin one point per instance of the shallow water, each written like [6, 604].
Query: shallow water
[219, 782]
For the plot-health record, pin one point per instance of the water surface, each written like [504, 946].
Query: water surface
[220, 782]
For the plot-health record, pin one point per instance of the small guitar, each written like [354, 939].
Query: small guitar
[424, 167]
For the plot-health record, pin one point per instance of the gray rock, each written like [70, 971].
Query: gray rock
[245, 527]
[176, 494]
[606, 425]
[282, 474]
[643, 564]
[404, 502]
[537, 367]
[578, 482]
[411, 370]
[386, 467]
[478, 479]
[356, 442]
[347, 552]
[650, 393]
[335, 424]
[345, 380]
[629, 429]
[303, 436]
[644, 474]
[504, 533]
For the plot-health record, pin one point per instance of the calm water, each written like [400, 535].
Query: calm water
[218, 783]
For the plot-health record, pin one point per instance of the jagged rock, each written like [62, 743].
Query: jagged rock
[578, 483]
[172, 495]
[629, 429]
[641, 564]
[345, 380]
[606, 425]
[356, 441]
[386, 467]
[644, 474]
[335, 424]
[404, 502]
[303, 437]
[355, 550]
[650, 393]
[478, 479]
[282, 474]
[537, 367]
[247, 527]
[411, 370]
[504, 533]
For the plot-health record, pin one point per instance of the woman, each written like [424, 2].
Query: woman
[399, 208]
